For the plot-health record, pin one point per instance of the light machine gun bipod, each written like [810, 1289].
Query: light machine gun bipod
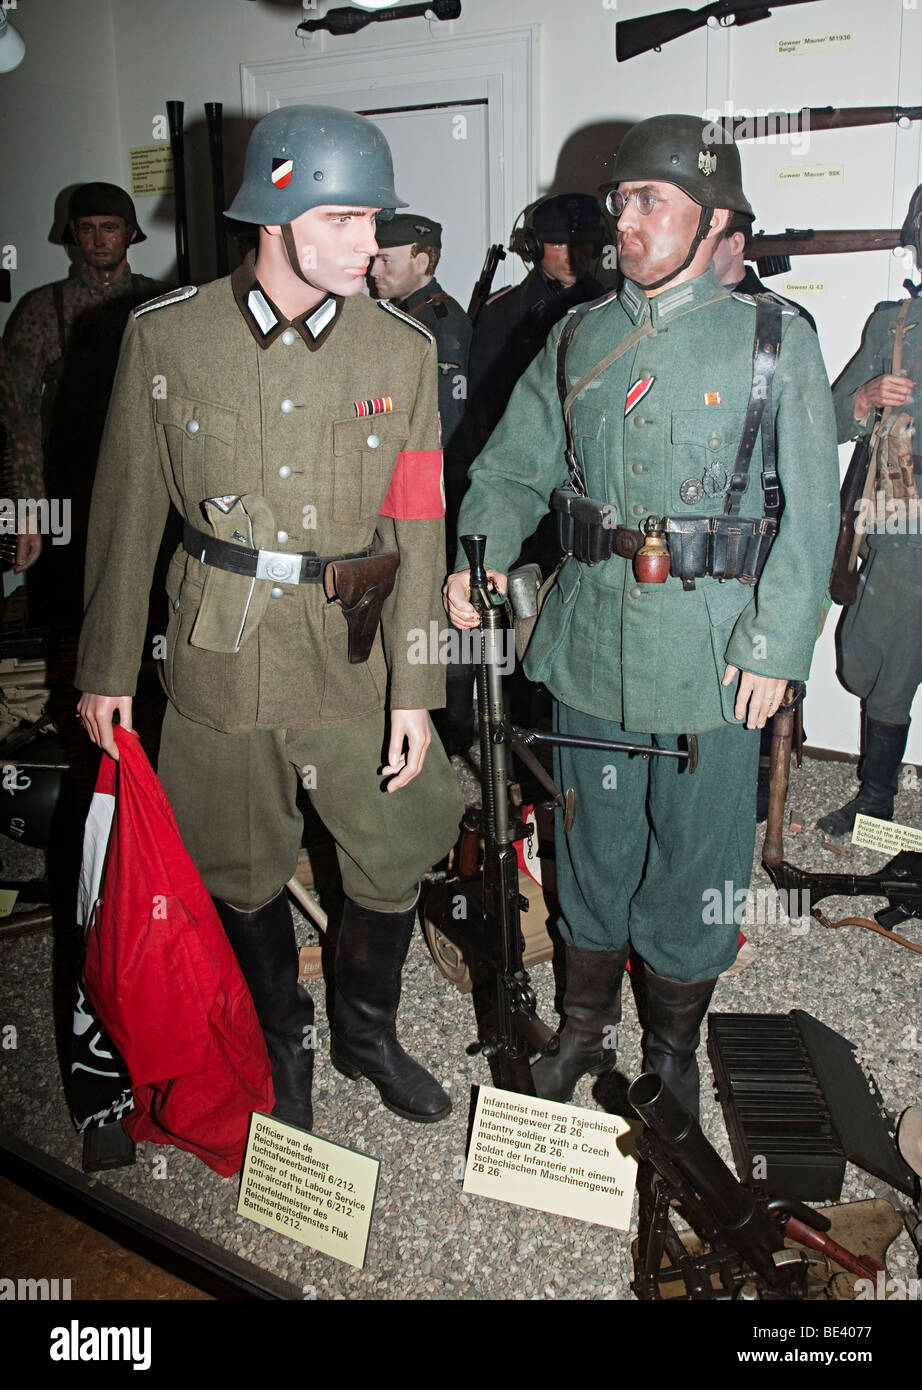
[481, 912]
[738, 1247]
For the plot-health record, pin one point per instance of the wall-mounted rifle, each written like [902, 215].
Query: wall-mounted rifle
[772, 251]
[633, 36]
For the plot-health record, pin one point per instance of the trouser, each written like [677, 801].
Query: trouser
[880, 647]
[656, 857]
[234, 797]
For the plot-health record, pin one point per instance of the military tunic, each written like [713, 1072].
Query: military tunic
[649, 658]
[878, 663]
[22, 472]
[219, 397]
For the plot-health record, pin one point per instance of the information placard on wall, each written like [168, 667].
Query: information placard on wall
[551, 1157]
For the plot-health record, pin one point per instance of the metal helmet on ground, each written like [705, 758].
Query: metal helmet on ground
[698, 156]
[302, 157]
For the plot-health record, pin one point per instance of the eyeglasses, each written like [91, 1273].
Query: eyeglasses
[646, 201]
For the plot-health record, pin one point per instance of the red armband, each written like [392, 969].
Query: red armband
[416, 491]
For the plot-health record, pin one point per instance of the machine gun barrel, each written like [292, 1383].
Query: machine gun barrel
[743, 1222]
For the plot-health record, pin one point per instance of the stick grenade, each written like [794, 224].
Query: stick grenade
[779, 771]
[174, 114]
[214, 117]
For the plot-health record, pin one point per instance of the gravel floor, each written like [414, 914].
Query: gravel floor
[429, 1240]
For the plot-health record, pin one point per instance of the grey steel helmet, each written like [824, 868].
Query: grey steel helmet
[302, 157]
[698, 156]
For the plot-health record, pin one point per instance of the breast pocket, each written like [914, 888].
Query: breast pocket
[202, 441]
[704, 445]
[364, 455]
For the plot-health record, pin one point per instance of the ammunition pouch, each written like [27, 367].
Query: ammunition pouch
[586, 528]
[724, 547]
[360, 586]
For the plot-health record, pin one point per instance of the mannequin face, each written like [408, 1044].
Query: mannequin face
[103, 242]
[564, 262]
[652, 246]
[396, 273]
[334, 247]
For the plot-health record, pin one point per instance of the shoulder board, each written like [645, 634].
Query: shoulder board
[172, 297]
[606, 298]
[407, 318]
[498, 294]
[744, 298]
[887, 304]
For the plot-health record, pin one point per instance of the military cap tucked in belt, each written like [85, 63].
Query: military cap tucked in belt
[409, 229]
[100, 200]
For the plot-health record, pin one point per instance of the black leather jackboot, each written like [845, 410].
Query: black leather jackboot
[674, 1011]
[878, 774]
[370, 952]
[263, 941]
[591, 1005]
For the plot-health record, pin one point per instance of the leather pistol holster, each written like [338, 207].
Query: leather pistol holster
[360, 587]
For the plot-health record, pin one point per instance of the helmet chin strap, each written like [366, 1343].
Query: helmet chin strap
[704, 223]
[289, 242]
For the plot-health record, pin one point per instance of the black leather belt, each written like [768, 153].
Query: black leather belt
[276, 565]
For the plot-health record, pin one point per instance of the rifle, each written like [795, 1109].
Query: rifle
[349, 21]
[633, 36]
[772, 252]
[174, 112]
[741, 1233]
[481, 914]
[765, 125]
[481, 292]
[213, 115]
[899, 881]
[843, 578]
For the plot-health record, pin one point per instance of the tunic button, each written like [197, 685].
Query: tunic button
[638, 468]
[176, 605]
[282, 537]
[636, 592]
[192, 427]
[639, 422]
[638, 509]
[289, 337]
[276, 592]
[287, 406]
[284, 471]
[715, 441]
[372, 441]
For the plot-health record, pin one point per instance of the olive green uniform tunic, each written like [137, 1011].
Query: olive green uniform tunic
[218, 397]
[650, 844]
[881, 638]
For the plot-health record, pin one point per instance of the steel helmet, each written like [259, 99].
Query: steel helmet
[698, 156]
[302, 157]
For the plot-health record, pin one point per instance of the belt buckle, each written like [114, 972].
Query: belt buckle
[278, 566]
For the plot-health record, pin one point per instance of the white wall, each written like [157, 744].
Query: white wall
[97, 74]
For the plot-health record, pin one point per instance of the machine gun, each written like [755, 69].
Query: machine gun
[740, 1234]
[480, 913]
[346, 20]
[633, 36]
[900, 881]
